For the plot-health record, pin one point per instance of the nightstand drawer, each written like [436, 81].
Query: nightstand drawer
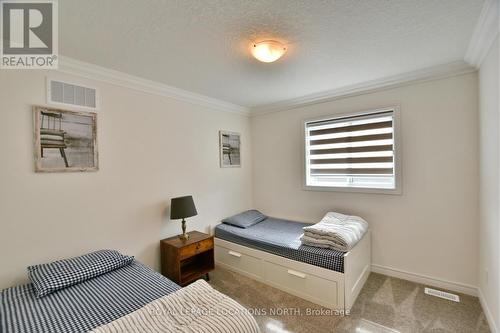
[193, 249]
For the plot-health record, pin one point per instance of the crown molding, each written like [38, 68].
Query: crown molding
[90, 71]
[94, 72]
[422, 75]
[484, 35]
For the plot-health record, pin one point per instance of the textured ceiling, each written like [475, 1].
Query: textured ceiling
[202, 46]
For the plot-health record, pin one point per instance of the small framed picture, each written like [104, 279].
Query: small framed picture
[230, 149]
[64, 140]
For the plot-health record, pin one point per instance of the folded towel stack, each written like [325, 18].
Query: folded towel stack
[335, 231]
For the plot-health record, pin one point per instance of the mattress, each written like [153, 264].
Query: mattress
[281, 237]
[84, 306]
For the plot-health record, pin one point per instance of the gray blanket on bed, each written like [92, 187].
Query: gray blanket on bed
[335, 231]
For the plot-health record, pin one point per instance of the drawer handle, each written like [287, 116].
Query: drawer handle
[235, 254]
[297, 274]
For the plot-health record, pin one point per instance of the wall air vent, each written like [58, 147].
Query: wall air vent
[70, 94]
[442, 294]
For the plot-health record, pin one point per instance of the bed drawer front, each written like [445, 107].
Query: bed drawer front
[302, 284]
[190, 250]
[239, 261]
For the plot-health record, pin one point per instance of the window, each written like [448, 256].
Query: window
[355, 152]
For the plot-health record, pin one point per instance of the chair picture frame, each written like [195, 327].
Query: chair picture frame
[64, 140]
[230, 149]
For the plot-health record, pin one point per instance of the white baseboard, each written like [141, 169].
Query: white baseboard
[487, 312]
[427, 280]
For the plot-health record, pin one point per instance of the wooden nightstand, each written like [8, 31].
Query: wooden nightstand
[184, 261]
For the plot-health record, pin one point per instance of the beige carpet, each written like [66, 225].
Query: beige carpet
[385, 305]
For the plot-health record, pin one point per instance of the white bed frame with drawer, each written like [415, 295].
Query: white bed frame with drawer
[319, 285]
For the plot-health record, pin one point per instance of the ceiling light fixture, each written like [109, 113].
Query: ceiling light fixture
[268, 50]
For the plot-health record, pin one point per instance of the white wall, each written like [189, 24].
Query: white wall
[151, 148]
[432, 228]
[489, 198]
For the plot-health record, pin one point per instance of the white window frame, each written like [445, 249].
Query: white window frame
[397, 154]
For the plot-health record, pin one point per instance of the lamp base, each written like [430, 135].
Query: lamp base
[184, 236]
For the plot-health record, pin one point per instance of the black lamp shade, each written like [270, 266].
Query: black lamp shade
[182, 207]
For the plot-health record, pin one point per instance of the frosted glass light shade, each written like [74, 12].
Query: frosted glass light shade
[268, 50]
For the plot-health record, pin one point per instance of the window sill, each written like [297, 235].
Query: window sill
[365, 190]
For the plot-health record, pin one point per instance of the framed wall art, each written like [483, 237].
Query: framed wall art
[65, 140]
[230, 149]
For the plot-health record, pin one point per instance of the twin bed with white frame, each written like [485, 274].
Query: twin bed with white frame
[331, 288]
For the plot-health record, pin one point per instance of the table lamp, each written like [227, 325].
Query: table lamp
[181, 208]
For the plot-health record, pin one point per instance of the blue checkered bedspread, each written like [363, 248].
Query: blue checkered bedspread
[84, 306]
[281, 237]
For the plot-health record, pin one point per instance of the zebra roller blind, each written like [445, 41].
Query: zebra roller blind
[353, 151]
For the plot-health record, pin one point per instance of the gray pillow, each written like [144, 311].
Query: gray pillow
[245, 219]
